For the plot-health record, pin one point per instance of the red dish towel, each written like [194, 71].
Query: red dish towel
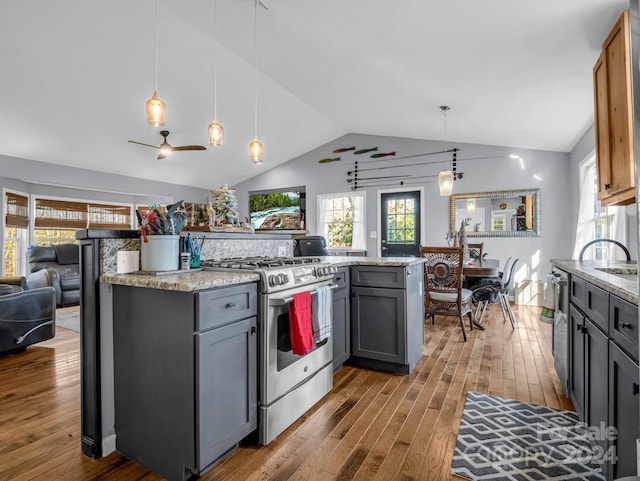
[300, 323]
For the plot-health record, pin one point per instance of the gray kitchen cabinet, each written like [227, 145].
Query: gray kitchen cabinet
[596, 360]
[603, 350]
[577, 327]
[386, 317]
[341, 318]
[185, 375]
[596, 306]
[624, 411]
[623, 325]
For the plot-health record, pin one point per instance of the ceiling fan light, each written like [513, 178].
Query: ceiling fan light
[156, 111]
[216, 133]
[255, 151]
[445, 182]
[165, 149]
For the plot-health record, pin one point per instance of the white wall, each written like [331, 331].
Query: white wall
[33, 177]
[485, 168]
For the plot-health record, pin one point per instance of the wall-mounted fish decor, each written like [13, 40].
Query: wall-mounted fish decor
[347, 149]
[327, 160]
[364, 151]
[375, 156]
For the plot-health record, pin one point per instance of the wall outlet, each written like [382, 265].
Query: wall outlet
[127, 261]
[282, 251]
[373, 234]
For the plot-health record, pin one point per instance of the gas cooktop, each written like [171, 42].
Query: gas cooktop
[277, 273]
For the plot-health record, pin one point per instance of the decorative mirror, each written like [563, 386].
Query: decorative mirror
[509, 213]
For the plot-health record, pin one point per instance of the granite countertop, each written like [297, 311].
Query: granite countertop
[204, 279]
[183, 281]
[342, 261]
[625, 287]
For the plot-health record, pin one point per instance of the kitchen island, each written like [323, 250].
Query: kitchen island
[180, 337]
[601, 329]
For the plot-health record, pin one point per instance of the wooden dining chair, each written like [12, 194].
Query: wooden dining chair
[444, 294]
[475, 250]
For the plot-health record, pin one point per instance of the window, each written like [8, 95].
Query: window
[596, 221]
[16, 232]
[341, 219]
[56, 220]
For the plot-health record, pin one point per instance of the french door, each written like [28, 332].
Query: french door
[400, 224]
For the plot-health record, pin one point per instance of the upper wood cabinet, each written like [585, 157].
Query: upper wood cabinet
[614, 117]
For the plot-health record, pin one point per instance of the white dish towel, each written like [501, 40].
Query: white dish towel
[321, 314]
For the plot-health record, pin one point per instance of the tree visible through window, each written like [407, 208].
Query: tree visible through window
[341, 220]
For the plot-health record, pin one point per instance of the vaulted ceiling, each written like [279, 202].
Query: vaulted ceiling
[76, 75]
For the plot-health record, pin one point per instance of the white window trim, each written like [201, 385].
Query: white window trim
[321, 197]
[21, 264]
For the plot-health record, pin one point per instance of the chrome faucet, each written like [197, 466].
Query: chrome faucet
[595, 241]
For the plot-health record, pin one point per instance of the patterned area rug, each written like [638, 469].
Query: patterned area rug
[502, 439]
[68, 317]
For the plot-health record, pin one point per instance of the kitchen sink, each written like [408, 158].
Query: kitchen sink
[629, 272]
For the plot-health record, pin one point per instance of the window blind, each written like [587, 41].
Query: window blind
[16, 210]
[109, 216]
[61, 214]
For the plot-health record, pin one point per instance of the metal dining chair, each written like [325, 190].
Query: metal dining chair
[496, 291]
[444, 294]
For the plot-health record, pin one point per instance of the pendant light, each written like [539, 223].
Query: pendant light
[255, 147]
[156, 109]
[471, 205]
[216, 132]
[445, 177]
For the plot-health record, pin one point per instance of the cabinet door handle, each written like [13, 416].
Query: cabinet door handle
[253, 329]
[636, 389]
[607, 186]
[625, 324]
[229, 305]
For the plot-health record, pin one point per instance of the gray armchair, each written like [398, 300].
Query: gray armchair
[26, 317]
[56, 266]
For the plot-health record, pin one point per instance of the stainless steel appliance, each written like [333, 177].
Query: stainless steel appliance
[289, 384]
[560, 333]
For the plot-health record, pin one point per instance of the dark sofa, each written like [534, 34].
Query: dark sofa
[56, 266]
[26, 317]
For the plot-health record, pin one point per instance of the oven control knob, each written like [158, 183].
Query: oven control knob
[273, 281]
[282, 279]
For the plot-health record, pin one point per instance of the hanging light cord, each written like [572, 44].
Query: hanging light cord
[215, 59]
[255, 76]
[156, 42]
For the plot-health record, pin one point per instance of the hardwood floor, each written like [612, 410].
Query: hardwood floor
[372, 426]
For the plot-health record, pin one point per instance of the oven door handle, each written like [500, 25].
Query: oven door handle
[287, 300]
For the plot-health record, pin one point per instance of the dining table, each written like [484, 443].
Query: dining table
[481, 268]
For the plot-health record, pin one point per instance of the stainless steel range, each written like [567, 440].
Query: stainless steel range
[289, 384]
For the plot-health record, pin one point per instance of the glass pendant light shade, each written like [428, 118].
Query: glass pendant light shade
[156, 111]
[255, 151]
[216, 133]
[471, 205]
[445, 182]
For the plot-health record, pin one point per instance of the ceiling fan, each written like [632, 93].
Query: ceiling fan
[166, 148]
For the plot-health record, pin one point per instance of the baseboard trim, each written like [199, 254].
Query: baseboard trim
[108, 444]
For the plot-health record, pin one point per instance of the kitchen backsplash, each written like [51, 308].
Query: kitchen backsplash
[212, 248]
